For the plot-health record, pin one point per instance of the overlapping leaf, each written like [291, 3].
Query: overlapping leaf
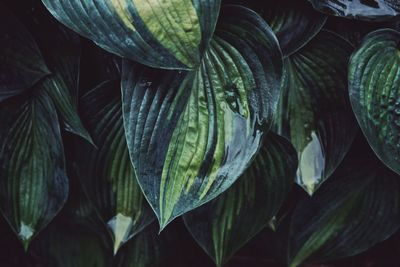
[359, 9]
[357, 208]
[224, 225]
[314, 111]
[191, 135]
[171, 34]
[33, 182]
[106, 172]
[21, 63]
[295, 23]
[374, 79]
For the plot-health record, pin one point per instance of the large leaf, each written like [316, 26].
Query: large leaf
[21, 63]
[314, 111]
[191, 135]
[357, 208]
[33, 182]
[225, 224]
[359, 9]
[106, 172]
[171, 34]
[295, 23]
[374, 92]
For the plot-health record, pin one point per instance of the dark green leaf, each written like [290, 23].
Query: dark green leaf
[106, 172]
[314, 111]
[191, 135]
[171, 34]
[224, 225]
[374, 79]
[295, 23]
[357, 208]
[147, 249]
[359, 9]
[33, 182]
[21, 63]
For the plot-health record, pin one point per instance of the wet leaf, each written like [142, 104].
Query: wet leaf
[192, 134]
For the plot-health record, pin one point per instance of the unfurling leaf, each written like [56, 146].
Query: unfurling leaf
[356, 208]
[33, 182]
[21, 63]
[192, 134]
[314, 110]
[106, 172]
[225, 224]
[170, 34]
[359, 9]
[374, 79]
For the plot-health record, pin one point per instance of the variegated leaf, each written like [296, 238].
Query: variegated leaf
[106, 172]
[192, 134]
[224, 225]
[170, 34]
[314, 110]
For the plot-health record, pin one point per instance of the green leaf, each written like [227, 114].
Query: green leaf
[70, 245]
[374, 80]
[359, 9]
[294, 22]
[192, 134]
[223, 226]
[106, 172]
[355, 209]
[170, 34]
[314, 111]
[33, 182]
[62, 52]
[147, 249]
[21, 63]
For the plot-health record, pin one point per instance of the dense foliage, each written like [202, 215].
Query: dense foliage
[198, 132]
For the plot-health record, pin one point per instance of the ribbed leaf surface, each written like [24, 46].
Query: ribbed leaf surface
[224, 225]
[171, 34]
[106, 171]
[314, 111]
[33, 182]
[357, 208]
[374, 79]
[191, 135]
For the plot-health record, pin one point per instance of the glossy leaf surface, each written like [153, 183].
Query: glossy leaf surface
[374, 79]
[314, 111]
[171, 34]
[355, 209]
[106, 172]
[33, 182]
[191, 135]
[359, 9]
[21, 63]
[228, 222]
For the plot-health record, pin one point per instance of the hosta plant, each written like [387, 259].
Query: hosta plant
[198, 132]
